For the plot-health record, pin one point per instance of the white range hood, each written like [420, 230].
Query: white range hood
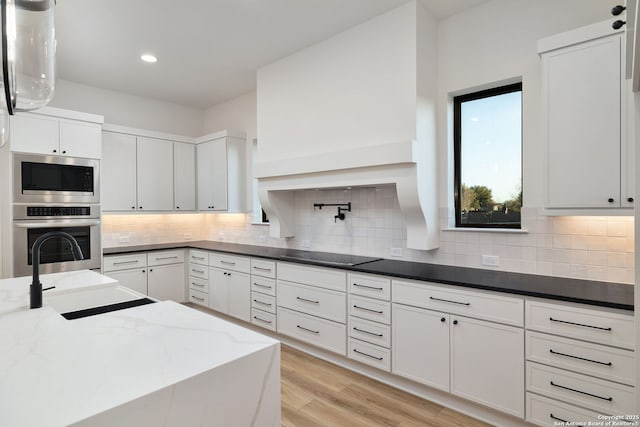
[355, 110]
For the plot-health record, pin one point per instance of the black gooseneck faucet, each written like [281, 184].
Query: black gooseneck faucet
[36, 286]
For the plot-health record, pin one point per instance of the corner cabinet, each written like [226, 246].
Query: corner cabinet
[147, 174]
[221, 179]
[586, 128]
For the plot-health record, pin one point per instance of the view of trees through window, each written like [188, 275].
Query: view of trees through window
[488, 157]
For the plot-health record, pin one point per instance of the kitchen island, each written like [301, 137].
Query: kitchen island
[156, 364]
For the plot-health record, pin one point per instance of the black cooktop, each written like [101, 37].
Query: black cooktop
[326, 257]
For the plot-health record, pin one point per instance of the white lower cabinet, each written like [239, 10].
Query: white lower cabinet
[476, 359]
[580, 363]
[158, 274]
[263, 293]
[314, 330]
[230, 292]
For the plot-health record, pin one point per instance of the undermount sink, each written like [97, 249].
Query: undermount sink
[83, 302]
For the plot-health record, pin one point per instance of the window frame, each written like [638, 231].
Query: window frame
[457, 149]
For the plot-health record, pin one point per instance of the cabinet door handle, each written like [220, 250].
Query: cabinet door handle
[368, 309]
[197, 271]
[262, 303]
[368, 287]
[197, 298]
[449, 301]
[167, 257]
[261, 268]
[126, 262]
[553, 417]
[308, 300]
[197, 257]
[355, 350]
[227, 262]
[197, 284]
[630, 199]
[308, 330]
[262, 320]
[610, 399]
[610, 200]
[367, 332]
[579, 324]
[64, 151]
[579, 358]
[261, 286]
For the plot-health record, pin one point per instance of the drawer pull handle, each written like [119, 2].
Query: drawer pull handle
[200, 285]
[368, 309]
[308, 300]
[197, 298]
[227, 262]
[197, 271]
[610, 399]
[579, 324]
[261, 268]
[580, 358]
[197, 257]
[367, 332]
[452, 302]
[261, 286]
[263, 303]
[308, 330]
[355, 350]
[167, 257]
[126, 262]
[368, 287]
[262, 320]
[556, 418]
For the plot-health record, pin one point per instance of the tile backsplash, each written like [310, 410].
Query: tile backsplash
[596, 248]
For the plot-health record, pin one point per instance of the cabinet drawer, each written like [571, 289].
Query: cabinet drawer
[124, 262]
[308, 299]
[263, 302]
[230, 262]
[263, 267]
[370, 354]
[592, 359]
[198, 297]
[198, 257]
[263, 319]
[322, 333]
[367, 308]
[548, 412]
[200, 285]
[263, 285]
[369, 286]
[368, 331]
[201, 271]
[482, 305]
[328, 278]
[600, 326]
[597, 395]
[165, 257]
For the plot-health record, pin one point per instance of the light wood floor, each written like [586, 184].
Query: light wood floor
[319, 393]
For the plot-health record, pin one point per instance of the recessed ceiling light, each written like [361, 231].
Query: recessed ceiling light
[149, 58]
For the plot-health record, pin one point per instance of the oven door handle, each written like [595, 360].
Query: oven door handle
[49, 224]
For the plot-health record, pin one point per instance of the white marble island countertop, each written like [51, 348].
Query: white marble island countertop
[157, 364]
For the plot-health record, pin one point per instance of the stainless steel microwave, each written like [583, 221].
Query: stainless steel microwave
[55, 179]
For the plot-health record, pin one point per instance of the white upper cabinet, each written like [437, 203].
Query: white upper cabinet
[118, 172]
[46, 134]
[221, 174]
[184, 176]
[155, 174]
[585, 119]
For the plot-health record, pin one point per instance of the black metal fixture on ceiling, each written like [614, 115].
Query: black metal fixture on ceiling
[342, 208]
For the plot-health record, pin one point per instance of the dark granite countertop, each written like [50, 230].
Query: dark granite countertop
[604, 294]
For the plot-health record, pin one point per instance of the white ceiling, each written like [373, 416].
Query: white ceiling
[208, 50]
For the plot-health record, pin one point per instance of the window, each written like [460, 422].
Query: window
[488, 157]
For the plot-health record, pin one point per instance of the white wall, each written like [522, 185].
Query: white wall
[236, 114]
[354, 90]
[129, 110]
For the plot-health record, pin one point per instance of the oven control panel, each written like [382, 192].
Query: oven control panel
[35, 211]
